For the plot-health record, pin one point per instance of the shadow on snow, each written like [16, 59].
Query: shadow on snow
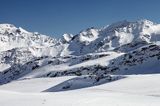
[82, 82]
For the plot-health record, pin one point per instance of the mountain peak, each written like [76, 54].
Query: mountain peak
[145, 21]
[116, 25]
[67, 37]
[7, 26]
[89, 40]
[10, 28]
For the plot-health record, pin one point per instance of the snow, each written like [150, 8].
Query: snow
[118, 65]
[23, 30]
[90, 34]
[125, 38]
[134, 90]
[12, 37]
[4, 66]
[104, 61]
[67, 37]
[149, 67]
[33, 85]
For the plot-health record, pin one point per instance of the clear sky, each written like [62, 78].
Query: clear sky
[55, 17]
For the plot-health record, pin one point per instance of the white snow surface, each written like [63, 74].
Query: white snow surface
[117, 65]
[133, 90]
[66, 66]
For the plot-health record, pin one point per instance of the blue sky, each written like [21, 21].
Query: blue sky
[55, 17]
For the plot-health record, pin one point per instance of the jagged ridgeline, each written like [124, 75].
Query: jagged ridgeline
[120, 48]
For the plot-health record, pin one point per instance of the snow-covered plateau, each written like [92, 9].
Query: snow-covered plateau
[117, 65]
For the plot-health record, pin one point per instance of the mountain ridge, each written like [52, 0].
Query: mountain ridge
[116, 48]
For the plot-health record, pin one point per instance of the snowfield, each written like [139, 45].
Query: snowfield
[132, 90]
[73, 65]
[117, 65]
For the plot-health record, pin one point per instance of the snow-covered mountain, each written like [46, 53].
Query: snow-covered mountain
[115, 36]
[90, 58]
[12, 37]
[112, 49]
[87, 41]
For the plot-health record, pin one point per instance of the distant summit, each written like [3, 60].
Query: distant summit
[121, 47]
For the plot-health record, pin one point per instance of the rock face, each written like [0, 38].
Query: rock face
[120, 48]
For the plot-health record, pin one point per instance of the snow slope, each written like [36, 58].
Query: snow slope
[12, 37]
[117, 65]
[73, 64]
[137, 90]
